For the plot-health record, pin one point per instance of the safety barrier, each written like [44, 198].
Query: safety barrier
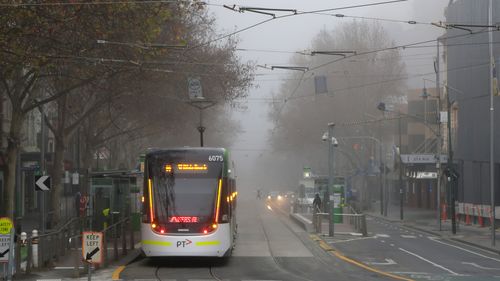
[42, 250]
[358, 221]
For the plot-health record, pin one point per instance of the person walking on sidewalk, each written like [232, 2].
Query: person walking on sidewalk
[316, 204]
[316, 210]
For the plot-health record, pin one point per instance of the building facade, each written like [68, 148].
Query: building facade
[468, 86]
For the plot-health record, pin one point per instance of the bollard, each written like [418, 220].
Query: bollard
[23, 251]
[34, 248]
[363, 226]
[29, 260]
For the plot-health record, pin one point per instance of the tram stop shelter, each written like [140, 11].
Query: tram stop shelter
[114, 195]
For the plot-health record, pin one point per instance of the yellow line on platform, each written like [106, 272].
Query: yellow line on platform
[116, 273]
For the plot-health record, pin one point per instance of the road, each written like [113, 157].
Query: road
[269, 247]
[417, 255]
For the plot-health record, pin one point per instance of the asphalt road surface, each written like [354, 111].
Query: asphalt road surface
[417, 255]
[269, 247]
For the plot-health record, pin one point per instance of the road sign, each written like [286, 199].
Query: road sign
[194, 88]
[4, 248]
[422, 158]
[42, 183]
[5, 225]
[92, 247]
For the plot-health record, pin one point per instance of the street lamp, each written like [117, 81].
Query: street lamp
[332, 142]
[202, 104]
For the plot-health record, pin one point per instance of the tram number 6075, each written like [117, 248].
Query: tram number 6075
[215, 158]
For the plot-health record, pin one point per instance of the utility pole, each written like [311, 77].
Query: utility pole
[451, 169]
[492, 127]
[440, 140]
[331, 163]
[401, 192]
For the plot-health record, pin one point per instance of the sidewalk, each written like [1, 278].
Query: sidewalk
[426, 221]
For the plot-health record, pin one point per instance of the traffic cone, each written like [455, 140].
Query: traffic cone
[444, 215]
[467, 216]
[480, 217]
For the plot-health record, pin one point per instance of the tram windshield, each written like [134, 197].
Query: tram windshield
[185, 192]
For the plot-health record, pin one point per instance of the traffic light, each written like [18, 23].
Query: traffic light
[451, 174]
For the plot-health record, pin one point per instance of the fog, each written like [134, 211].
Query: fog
[293, 34]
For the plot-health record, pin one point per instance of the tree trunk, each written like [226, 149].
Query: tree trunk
[14, 139]
[56, 174]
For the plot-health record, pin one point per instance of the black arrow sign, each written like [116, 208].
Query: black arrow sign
[89, 255]
[4, 253]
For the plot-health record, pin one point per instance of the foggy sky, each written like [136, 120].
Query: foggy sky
[295, 34]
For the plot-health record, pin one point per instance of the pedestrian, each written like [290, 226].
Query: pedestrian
[317, 203]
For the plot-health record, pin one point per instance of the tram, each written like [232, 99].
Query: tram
[189, 203]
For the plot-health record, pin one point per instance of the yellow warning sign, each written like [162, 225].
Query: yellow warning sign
[5, 225]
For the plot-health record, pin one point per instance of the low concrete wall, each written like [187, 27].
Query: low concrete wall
[306, 225]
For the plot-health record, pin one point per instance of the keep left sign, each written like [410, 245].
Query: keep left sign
[92, 247]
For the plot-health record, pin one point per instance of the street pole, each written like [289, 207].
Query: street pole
[201, 104]
[201, 129]
[451, 179]
[440, 140]
[492, 128]
[331, 226]
[42, 169]
[401, 194]
[381, 181]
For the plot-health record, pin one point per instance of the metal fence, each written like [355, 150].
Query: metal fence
[43, 251]
[358, 221]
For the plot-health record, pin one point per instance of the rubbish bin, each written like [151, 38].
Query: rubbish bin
[337, 218]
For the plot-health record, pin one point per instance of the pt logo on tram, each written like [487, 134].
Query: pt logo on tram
[183, 243]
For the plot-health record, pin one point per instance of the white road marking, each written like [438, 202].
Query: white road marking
[66, 267]
[479, 266]
[433, 263]
[356, 234]
[463, 249]
[409, 236]
[387, 262]
[382, 235]
[383, 241]
[392, 245]
[409, 273]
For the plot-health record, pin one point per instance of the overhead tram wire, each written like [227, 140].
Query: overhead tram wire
[399, 47]
[298, 13]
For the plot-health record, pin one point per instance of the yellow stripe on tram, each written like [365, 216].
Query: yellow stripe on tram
[156, 243]
[207, 243]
